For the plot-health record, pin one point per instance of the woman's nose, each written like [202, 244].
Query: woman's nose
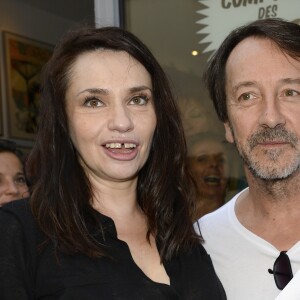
[11, 188]
[120, 119]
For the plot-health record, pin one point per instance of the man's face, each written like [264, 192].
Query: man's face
[263, 102]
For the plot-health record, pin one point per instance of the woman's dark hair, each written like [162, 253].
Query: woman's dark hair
[61, 198]
[284, 34]
[11, 147]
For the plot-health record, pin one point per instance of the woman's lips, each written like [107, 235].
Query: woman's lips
[121, 151]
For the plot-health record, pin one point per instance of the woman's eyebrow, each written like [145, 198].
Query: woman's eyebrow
[140, 88]
[94, 91]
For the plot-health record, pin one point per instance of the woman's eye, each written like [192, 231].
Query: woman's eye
[20, 180]
[139, 100]
[222, 160]
[94, 102]
[202, 158]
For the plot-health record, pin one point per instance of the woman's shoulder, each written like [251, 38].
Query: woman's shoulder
[197, 270]
[19, 237]
[17, 217]
[18, 210]
[17, 205]
[196, 254]
[199, 251]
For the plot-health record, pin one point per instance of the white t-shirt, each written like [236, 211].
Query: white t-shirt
[241, 258]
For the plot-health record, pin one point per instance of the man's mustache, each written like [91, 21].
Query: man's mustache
[277, 134]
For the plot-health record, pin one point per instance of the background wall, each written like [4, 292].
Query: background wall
[38, 20]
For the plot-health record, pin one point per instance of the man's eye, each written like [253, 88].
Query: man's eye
[139, 100]
[246, 97]
[290, 93]
[93, 102]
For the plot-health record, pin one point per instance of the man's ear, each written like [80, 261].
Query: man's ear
[228, 133]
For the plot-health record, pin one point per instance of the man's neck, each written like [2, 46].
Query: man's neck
[271, 210]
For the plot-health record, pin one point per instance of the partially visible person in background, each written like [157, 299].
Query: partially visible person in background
[13, 185]
[196, 117]
[207, 160]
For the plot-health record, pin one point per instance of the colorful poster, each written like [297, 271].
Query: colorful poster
[24, 61]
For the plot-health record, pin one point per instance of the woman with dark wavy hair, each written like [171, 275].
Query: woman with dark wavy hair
[110, 212]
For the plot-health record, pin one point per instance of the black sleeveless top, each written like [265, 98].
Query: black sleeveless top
[26, 273]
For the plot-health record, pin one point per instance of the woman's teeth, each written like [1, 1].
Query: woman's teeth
[120, 145]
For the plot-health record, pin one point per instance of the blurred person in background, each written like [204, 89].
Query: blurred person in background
[207, 160]
[13, 183]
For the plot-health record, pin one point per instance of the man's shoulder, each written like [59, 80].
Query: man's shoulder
[220, 221]
[222, 212]
[219, 213]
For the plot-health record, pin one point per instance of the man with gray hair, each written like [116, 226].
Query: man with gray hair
[254, 82]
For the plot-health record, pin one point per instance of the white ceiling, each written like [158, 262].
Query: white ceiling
[74, 10]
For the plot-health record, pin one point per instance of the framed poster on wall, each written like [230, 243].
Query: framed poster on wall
[1, 112]
[24, 59]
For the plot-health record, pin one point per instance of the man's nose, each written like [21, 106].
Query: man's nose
[271, 114]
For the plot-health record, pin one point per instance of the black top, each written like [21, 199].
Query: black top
[28, 274]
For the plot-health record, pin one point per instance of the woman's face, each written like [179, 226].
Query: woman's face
[209, 167]
[111, 114]
[12, 179]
